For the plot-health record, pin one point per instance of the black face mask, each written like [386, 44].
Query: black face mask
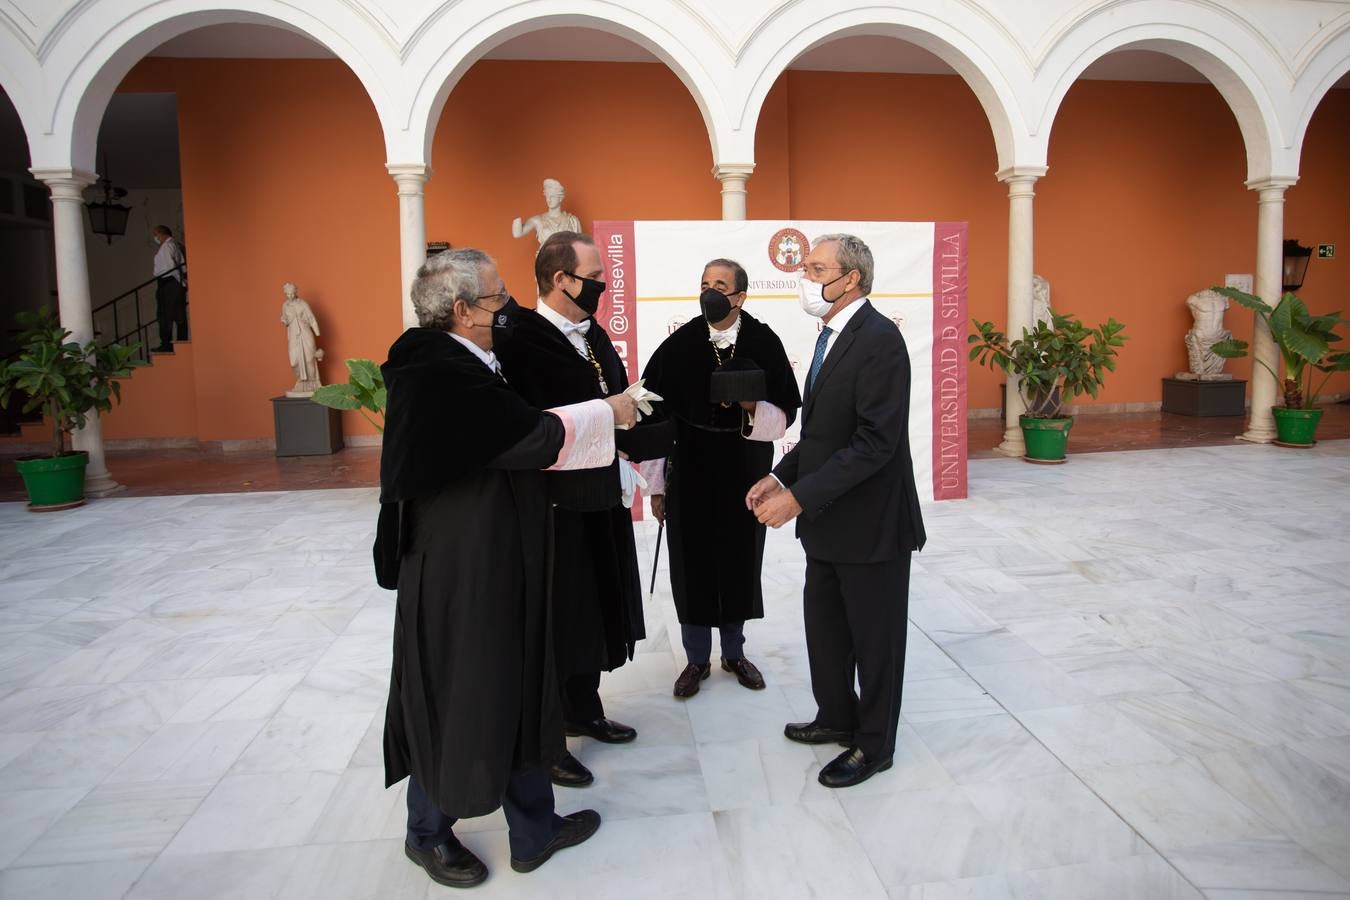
[504, 322]
[588, 299]
[716, 305]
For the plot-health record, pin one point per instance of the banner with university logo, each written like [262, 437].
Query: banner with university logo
[653, 271]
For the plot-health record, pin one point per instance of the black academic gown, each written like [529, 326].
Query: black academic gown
[716, 544]
[596, 585]
[463, 535]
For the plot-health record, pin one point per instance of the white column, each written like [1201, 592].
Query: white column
[412, 227]
[733, 177]
[72, 287]
[1269, 287]
[1020, 181]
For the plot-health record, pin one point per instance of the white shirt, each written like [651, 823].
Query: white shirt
[167, 257]
[724, 339]
[487, 357]
[575, 332]
[837, 324]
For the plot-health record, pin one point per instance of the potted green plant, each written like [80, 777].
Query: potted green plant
[65, 381]
[1305, 343]
[363, 391]
[1054, 361]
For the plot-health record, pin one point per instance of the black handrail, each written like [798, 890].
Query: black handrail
[141, 332]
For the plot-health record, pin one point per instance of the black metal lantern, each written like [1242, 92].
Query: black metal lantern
[108, 218]
[1296, 259]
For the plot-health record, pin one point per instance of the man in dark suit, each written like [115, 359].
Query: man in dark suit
[849, 482]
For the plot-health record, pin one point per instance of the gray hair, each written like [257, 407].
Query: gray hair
[446, 277]
[853, 254]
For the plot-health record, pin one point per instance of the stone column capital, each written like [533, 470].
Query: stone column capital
[732, 172]
[1013, 175]
[65, 184]
[1279, 183]
[410, 177]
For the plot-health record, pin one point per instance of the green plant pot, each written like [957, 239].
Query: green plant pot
[1046, 439]
[54, 482]
[1296, 427]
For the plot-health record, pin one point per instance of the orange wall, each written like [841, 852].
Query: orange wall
[283, 178]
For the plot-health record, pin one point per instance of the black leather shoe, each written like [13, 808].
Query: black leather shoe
[576, 829]
[606, 731]
[449, 864]
[811, 733]
[687, 684]
[569, 772]
[746, 673]
[850, 768]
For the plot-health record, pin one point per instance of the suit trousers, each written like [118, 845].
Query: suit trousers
[528, 805]
[170, 309]
[581, 697]
[856, 616]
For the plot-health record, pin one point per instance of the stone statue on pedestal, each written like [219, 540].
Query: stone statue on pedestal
[1040, 300]
[551, 220]
[301, 330]
[1207, 307]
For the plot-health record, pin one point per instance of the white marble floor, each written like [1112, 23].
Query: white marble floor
[1127, 677]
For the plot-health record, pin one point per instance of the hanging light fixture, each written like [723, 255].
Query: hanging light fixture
[1296, 258]
[108, 218]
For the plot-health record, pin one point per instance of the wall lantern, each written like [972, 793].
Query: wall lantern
[1296, 259]
[108, 218]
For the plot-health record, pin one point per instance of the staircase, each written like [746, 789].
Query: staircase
[162, 405]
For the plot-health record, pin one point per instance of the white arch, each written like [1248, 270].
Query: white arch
[1329, 65]
[443, 51]
[19, 78]
[968, 40]
[87, 60]
[1228, 51]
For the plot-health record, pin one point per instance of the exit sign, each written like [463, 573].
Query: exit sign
[1326, 251]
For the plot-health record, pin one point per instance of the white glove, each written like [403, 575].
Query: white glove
[629, 480]
[643, 397]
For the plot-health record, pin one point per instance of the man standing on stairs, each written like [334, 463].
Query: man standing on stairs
[170, 288]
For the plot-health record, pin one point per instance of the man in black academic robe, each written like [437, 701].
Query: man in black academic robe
[561, 355]
[473, 712]
[721, 448]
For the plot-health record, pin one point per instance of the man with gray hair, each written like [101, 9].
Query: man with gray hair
[849, 483]
[473, 716]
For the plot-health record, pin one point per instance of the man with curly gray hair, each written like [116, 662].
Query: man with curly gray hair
[473, 717]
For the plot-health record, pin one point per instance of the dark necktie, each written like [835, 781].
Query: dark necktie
[818, 359]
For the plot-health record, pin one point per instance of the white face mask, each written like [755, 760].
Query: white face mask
[812, 297]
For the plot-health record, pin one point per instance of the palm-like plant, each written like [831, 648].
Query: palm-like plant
[1056, 360]
[1305, 343]
[62, 378]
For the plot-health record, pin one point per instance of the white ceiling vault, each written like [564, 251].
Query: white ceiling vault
[1271, 60]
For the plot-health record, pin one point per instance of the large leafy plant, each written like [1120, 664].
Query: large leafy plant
[363, 391]
[1055, 360]
[1304, 340]
[62, 378]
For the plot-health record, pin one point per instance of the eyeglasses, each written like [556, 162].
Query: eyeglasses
[817, 269]
[503, 294]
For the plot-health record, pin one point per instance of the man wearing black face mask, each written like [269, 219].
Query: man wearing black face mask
[472, 719]
[723, 445]
[558, 355]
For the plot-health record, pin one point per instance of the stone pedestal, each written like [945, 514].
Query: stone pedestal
[1204, 398]
[304, 428]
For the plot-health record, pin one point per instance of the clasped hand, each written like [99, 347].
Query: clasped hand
[772, 504]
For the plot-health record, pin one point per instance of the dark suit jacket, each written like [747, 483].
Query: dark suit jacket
[851, 471]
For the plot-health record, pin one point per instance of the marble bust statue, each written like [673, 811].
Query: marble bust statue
[301, 330]
[1207, 307]
[551, 220]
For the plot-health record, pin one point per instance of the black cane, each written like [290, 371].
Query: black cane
[655, 559]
